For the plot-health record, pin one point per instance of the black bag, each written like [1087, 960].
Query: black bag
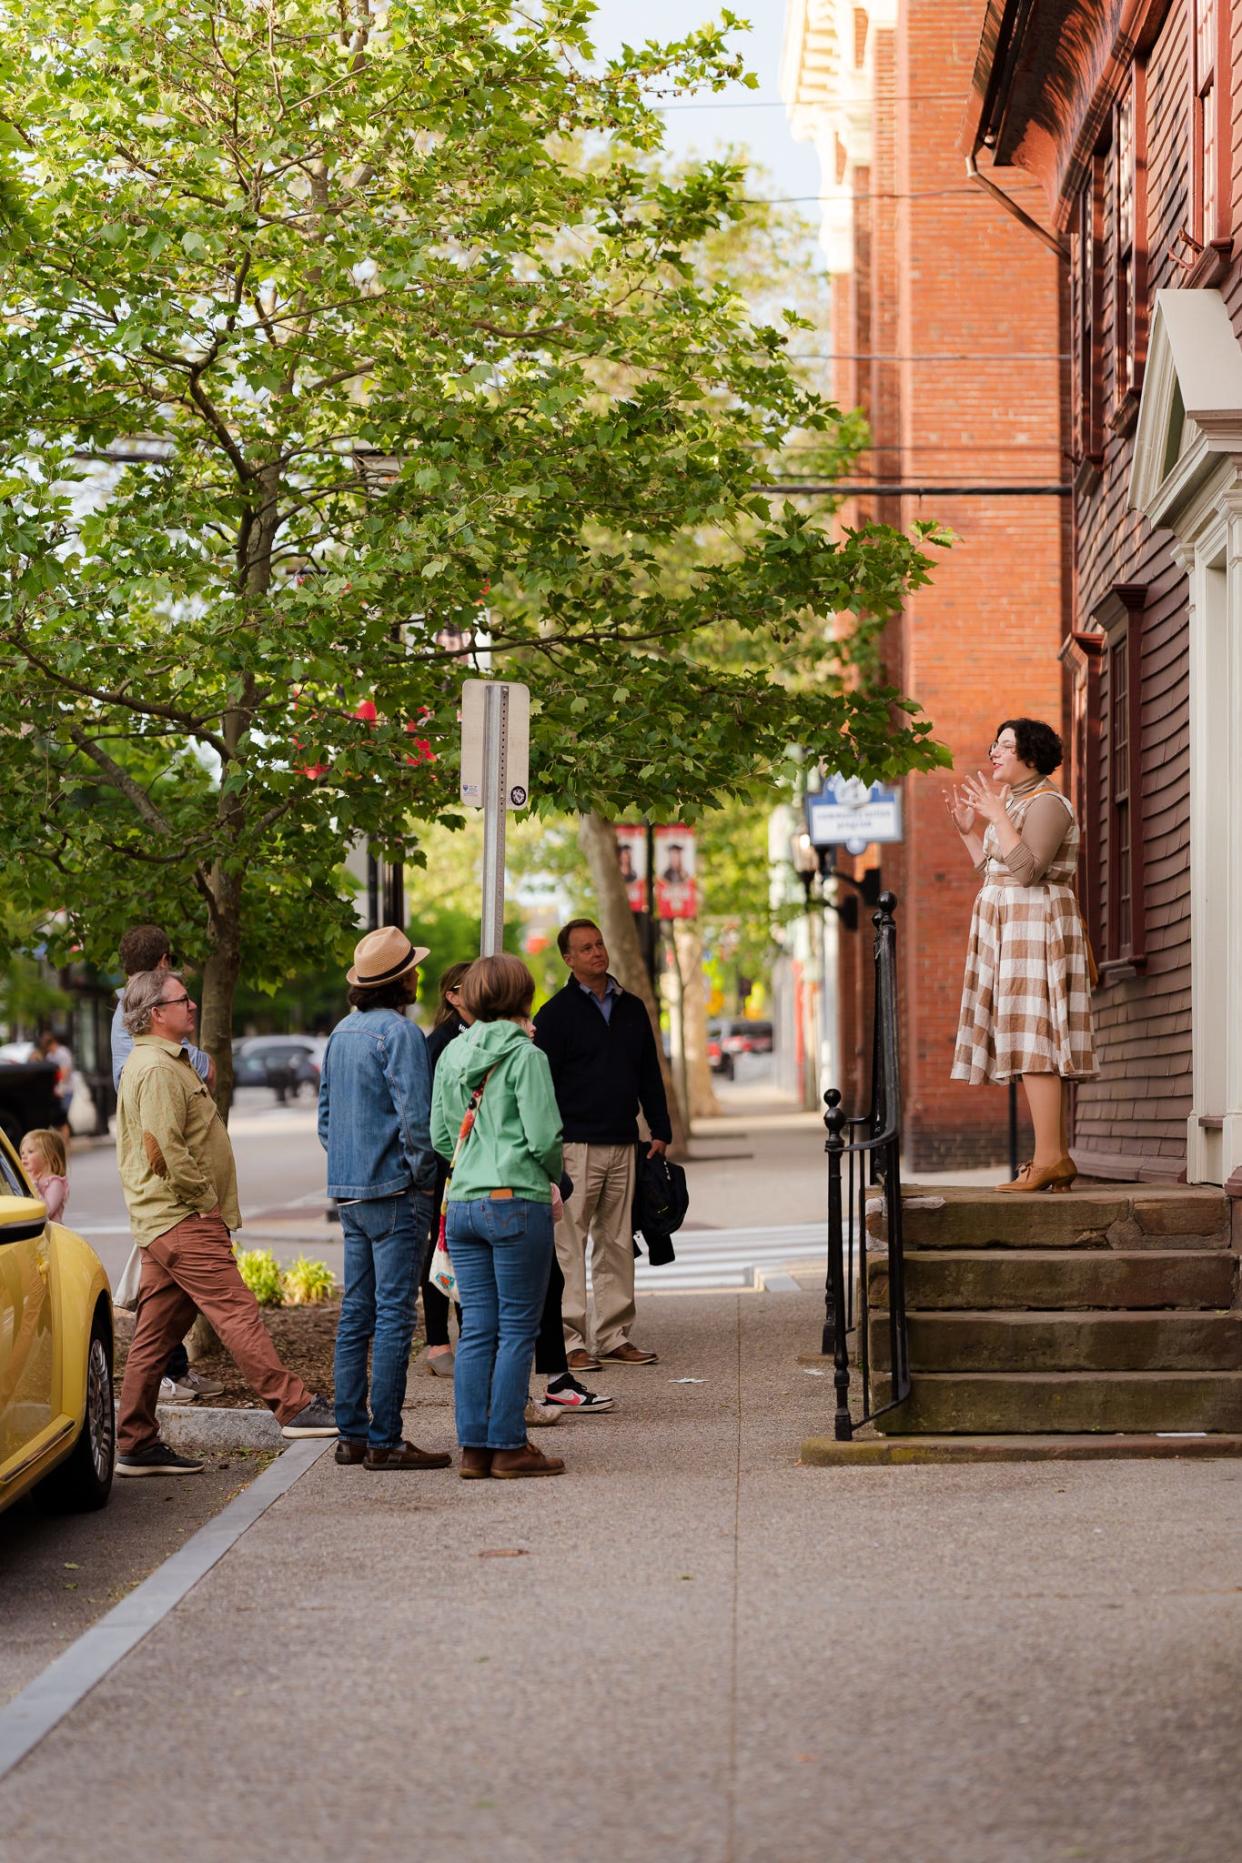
[661, 1200]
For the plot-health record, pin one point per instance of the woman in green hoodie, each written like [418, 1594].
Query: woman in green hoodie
[499, 1227]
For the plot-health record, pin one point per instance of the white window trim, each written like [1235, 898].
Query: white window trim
[1190, 482]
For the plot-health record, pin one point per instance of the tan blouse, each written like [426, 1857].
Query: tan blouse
[1044, 828]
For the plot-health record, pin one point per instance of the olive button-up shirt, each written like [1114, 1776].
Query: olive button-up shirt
[173, 1151]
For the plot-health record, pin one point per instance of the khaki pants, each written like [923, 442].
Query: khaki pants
[190, 1267]
[601, 1207]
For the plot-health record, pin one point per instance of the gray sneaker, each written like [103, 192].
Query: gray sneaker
[201, 1384]
[318, 1419]
[176, 1391]
[157, 1459]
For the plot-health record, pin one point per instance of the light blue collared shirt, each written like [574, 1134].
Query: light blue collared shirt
[604, 1003]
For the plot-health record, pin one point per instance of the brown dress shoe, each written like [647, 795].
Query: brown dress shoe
[476, 1464]
[405, 1455]
[350, 1450]
[583, 1361]
[627, 1354]
[511, 1464]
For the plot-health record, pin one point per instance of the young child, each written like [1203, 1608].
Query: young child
[43, 1160]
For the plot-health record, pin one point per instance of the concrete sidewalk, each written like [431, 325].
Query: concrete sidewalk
[687, 1648]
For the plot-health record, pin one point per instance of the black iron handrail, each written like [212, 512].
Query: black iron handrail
[874, 1159]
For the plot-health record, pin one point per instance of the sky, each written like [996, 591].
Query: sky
[730, 116]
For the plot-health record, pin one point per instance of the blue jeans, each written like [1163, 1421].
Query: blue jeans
[502, 1256]
[383, 1254]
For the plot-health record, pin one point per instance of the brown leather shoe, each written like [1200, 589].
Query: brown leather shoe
[405, 1455]
[350, 1450]
[476, 1464]
[583, 1361]
[628, 1354]
[511, 1464]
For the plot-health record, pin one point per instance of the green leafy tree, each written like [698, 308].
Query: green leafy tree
[311, 348]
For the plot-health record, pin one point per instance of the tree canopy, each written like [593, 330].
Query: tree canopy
[339, 341]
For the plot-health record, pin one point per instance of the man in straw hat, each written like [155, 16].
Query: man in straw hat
[374, 1113]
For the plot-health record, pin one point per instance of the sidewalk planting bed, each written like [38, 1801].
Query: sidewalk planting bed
[303, 1336]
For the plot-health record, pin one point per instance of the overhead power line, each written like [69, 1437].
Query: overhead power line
[843, 488]
[914, 194]
[986, 355]
[778, 103]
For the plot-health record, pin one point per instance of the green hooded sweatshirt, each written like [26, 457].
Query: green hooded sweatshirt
[516, 1141]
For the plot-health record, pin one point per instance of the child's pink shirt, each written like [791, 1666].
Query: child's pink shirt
[55, 1193]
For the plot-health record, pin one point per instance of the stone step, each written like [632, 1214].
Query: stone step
[1123, 1217]
[1085, 1341]
[1037, 1403]
[1052, 1279]
[868, 1450]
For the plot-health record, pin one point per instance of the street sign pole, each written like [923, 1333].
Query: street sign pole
[495, 797]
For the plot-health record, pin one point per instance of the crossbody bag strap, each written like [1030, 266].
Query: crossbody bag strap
[467, 1127]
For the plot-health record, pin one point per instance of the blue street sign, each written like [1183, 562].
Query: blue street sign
[847, 813]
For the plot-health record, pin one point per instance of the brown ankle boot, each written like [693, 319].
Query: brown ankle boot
[405, 1455]
[476, 1464]
[510, 1464]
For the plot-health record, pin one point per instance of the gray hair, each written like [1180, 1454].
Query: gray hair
[142, 993]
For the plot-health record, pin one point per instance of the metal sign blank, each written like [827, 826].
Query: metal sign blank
[516, 750]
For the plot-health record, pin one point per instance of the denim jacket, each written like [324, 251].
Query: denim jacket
[375, 1106]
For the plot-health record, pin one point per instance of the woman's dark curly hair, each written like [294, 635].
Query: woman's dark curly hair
[1037, 744]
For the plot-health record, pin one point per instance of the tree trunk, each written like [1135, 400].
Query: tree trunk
[689, 948]
[220, 974]
[599, 844]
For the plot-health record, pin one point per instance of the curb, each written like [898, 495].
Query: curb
[69, 1677]
[203, 1426]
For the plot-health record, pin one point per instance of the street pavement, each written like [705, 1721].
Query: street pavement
[686, 1648]
[60, 1572]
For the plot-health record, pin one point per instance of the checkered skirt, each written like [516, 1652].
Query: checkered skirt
[1026, 995]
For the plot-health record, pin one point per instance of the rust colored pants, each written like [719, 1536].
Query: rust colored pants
[192, 1266]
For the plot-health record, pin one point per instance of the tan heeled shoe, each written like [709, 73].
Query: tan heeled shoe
[1052, 1177]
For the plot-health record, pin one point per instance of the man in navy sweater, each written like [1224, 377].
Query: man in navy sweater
[599, 1044]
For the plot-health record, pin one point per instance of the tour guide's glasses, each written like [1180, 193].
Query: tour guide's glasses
[169, 1002]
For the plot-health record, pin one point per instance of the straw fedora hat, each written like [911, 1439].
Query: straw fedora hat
[383, 956]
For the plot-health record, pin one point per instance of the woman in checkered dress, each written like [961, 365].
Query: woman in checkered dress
[1026, 997]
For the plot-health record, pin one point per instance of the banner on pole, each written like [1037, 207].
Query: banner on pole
[632, 860]
[676, 876]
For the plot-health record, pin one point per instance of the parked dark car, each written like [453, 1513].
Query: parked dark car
[284, 1063]
[27, 1097]
[727, 1039]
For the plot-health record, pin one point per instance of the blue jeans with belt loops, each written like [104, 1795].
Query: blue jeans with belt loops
[501, 1249]
[383, 1255]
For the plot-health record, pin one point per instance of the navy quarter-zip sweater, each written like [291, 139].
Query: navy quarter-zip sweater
[602, 1071]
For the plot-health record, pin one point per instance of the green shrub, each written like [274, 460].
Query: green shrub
[306, 1283]
[261, 1273]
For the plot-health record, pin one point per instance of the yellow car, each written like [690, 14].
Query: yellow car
[57, 1425]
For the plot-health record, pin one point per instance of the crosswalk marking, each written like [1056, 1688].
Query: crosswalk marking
[710, 1259]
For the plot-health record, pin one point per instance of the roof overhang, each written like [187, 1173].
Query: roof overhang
[1045, 77]
[1190, 415]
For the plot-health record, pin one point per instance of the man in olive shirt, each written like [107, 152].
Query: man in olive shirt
[180, 1185]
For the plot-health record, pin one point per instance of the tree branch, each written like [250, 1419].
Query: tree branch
[122, 780]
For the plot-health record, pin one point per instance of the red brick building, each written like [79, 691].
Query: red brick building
[1126, 113]
[945, 332]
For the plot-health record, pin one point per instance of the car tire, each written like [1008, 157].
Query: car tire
[83, 1481]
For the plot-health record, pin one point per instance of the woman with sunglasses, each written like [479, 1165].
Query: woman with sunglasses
[1026, 998]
